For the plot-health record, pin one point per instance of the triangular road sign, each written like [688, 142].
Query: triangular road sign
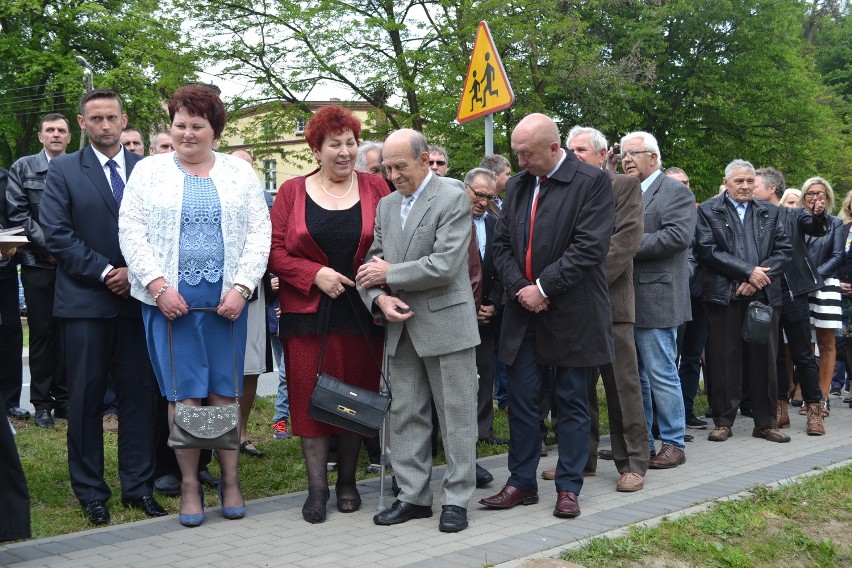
[486, 87]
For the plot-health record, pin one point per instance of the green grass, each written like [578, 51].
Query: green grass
[799, 524]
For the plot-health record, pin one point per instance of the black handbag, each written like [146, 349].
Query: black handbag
[343, 405]
[758, 323]
[205, 427]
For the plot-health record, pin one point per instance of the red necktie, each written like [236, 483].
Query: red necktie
[529, 275]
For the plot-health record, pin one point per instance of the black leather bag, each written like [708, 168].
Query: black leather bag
[346, 406]
[758, 323]
[205, 427]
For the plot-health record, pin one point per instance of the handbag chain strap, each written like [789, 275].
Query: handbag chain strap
[324, 322]
[172, 354]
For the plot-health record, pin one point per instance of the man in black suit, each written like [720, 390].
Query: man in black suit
[27, 177]
[481, 187]
[550, 248]
[102, 331]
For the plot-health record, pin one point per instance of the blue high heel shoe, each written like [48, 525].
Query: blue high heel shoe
[230, 513]
[193, 520]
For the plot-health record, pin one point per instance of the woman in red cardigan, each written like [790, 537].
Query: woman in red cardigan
[322, 227]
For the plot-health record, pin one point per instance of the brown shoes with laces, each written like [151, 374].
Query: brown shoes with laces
[816, 425]
[782, 417]
[770, 434]
[567, 505]
[668, 457]
[630, 482]
[720, 434]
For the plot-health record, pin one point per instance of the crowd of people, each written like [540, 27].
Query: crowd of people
[503, 292]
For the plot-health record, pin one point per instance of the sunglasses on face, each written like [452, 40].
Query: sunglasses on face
[438, 162]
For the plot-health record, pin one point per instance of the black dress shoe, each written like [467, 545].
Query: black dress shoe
[688, 438]
[167, 485]
[44, 419]
[453, 519]
[253, 452]
[97, 512]
[401, 512]
[147, 504]
[18, 413]
[208, 479]
[483, 476]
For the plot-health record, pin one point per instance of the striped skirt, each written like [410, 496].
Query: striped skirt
[826, 312]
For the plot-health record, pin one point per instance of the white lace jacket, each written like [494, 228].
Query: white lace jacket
[149, 223]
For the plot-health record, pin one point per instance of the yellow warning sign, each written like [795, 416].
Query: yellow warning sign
[486, 87]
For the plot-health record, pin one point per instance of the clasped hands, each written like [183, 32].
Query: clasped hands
[531, 298]
[375, 273]
[758, 280]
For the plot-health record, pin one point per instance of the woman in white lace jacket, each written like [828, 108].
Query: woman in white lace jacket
[194, 229]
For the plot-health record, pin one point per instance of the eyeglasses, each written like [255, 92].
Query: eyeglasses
[814, 194]
[438, 162]
[633, 153]
[481, 196]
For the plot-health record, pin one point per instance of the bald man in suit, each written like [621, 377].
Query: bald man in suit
[416, 280]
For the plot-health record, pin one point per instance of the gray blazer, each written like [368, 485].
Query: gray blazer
[428, 269]
[660, 269]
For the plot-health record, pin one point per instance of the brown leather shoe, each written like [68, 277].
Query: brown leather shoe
[667, 458]
[605, 454]
[630, 482]
[816, 423]
[720, 434]
[782, 417]
[567, 505]
[510, 496]
[770, 434]
[550, 474]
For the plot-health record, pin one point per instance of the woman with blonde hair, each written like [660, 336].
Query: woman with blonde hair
[790, 197]
[827, 253]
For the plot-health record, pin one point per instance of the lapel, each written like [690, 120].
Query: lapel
[94, 171]
[651, 192]
[415, 216]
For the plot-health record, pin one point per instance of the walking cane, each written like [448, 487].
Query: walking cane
[383, 437]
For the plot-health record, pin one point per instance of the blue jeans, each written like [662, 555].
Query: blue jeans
[282, 401]
[656, 349]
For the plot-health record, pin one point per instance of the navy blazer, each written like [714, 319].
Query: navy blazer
[79, 217]
[574, 221]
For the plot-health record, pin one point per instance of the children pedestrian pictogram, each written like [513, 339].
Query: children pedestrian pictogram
[486, 87]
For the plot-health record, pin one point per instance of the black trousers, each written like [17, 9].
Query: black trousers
[729, 358]
[15, 520]
[94, 349]
[795, 323]
[11, 338]
[485, 394]
[48, 385]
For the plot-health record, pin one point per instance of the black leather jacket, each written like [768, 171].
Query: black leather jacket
[27, 178]
[827, 251]
[723, 270]
[801, 274]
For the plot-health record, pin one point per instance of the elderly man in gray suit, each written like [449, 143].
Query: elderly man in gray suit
[416, 279]
[661, 281]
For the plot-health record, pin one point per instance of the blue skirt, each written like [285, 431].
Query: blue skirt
[208, 349]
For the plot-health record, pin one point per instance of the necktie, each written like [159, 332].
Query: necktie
[529, 274]
[115, 181]
[406, 209]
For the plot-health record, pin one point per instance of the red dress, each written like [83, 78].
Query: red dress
[295, 258]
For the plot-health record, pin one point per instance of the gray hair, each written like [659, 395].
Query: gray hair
[738, 165]
[495, 162]
[476, 172]
[648, 141]
[595, 135]
[435, 149]
[772, 177]
[363, 149]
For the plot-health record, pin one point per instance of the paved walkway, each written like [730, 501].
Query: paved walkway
[274, 534]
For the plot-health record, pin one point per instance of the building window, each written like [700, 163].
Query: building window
[300, 126]
[270, 176]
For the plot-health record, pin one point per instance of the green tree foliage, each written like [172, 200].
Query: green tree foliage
[133, 46]
[713, 81]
